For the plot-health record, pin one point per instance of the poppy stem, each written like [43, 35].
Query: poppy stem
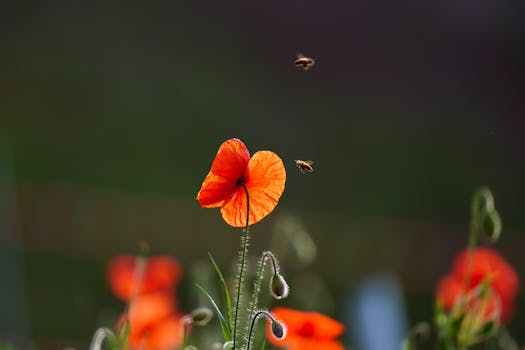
[186, 320]
[482, 202]
[100, 335]
[252, 324]
[244, 239]
[258, 281]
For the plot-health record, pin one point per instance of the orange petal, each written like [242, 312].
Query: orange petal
[307, 344]
[228, 167]
[325, 327]
[265, 179]
[148, 309]
[161, 273]
[292, 318]
[166, 335]
[448, 290]
[121, 276]
[304, 326]
[488, 263]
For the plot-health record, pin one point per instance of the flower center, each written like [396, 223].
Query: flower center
[307, 329]
[240, 181]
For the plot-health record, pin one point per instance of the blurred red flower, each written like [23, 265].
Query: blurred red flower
[306, 330]
[160, 273]
[263, 175]
[154, 322]
[486, 264]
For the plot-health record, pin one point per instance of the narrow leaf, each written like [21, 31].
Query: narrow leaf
[224, 324]
[226, 291]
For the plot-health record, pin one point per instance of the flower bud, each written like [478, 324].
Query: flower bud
[278, 329]
[201, 316]
[421, 332]
[491, 225]
[228, 345]
[278, 287]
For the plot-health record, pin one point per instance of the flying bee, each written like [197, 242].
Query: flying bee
[304, 62]
[305, 165]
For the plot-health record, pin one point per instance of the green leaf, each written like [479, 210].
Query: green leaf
[226, 330]
[226, 291]
[263, 345]
[121, 340]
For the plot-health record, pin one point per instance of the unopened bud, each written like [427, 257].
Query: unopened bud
[492, 225]
[228, 345]
[278, 287]
[216, 346]
[420, 332]
[190, 347]
[278, 329]
[201, 316]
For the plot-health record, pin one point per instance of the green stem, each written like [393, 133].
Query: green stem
[258, 281]
[252, 324]
[184, 335]
[482, 201]
[244, 239]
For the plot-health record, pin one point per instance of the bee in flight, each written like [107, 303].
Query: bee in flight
[304, 62]
[305, 165]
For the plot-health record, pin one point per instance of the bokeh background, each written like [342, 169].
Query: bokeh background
[110, 116]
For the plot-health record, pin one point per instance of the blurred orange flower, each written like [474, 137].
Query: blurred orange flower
[263, 175]
[154, 323]
[306, 330]
[160, 273]
[486, 264]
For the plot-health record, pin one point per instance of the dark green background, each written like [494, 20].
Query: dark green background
[110, 116]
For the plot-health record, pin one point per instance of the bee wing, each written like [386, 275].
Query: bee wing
[309, 162]
[300, 55]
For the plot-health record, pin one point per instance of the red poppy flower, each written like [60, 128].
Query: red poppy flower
[160, 273]
[486, 264]
[154, 323]
[306, 330]
[263, 175]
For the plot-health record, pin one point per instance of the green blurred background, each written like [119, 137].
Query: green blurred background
[110, 116]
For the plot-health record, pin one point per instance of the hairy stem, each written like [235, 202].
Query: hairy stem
[482, 201]
[252, 324]
[244, 239]
[258, 281]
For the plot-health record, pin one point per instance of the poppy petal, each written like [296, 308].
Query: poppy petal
[325, 327]
[148, 309]
[448, 290]
[160, 273]
[292, 318]
[214, 190]
[302, 344]
[265, 180]
[227, 168]
[489, 263]
[166, 335]
[306, 330]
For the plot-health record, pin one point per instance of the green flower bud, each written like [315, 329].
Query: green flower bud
[201, 316]
[278, 287]
[278, 329]
[492, 225]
